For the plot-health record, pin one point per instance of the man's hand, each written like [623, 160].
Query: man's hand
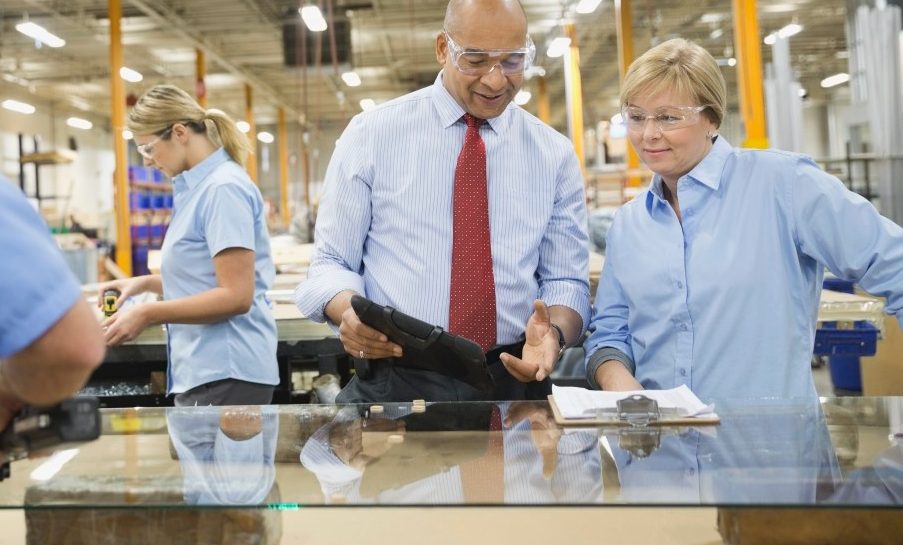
[359, 339]
[540, 348]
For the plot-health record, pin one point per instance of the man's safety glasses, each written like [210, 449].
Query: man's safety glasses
[479, 62]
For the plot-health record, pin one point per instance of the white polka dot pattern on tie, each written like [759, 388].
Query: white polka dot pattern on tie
[472, 306]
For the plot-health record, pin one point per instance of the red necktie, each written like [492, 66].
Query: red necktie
[472, 297]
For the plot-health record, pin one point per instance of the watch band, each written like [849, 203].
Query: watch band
[562, 342]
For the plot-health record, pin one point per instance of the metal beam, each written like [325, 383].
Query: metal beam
[749, 77]
[117, 109]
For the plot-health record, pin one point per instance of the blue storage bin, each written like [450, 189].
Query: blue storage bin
[837, 284]
[859, 341]
[845, 373]
[139, 260]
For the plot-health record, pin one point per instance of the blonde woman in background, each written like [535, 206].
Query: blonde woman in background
[216, 261]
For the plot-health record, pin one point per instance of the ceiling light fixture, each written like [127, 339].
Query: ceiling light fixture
[265, 137]
[127, 134]
[522, 97]
[313, 18]
[835, 80]
[16, 106]
[558, 46]
[40, 34]
[790, 30]
[243, 126]
[79, 123]
[367, 104]
[587, 6]
[351, 79]
[128, 74]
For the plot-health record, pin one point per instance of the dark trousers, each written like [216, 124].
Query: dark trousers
[380, 381]
[228, 391]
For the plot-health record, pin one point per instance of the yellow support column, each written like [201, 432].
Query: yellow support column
[252, 132]
[574, 91]
[543, 110]
[120, 178]
[283, 169]
[624, 18]
[749, 66]
[200, 88]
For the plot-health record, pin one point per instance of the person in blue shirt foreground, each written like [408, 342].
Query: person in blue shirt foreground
[713, 275]
[50, 342]
[216, 263]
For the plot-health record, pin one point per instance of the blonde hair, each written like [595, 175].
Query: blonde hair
[681, 66]
[165, 105]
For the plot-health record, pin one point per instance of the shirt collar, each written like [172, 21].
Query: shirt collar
[450, 112]
[707, 172]
[196, 174]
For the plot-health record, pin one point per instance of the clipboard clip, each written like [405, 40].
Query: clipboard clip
[638, 410]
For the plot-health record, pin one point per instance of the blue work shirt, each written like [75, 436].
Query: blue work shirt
[215, 207]
[384, 229]
[727, 301]
[36, 285]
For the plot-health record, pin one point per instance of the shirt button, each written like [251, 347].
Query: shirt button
[683, 327]
[683, 372]
[680, 285]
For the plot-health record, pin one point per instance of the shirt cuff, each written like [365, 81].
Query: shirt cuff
[601, 356]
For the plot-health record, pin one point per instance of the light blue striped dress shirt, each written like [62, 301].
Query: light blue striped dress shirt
[384, 227]
[726, 302]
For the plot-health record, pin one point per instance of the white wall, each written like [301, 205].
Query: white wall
[87, 182]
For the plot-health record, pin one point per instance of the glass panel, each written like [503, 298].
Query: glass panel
[840, 452]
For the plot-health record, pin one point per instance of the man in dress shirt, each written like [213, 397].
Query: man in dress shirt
[386, 224]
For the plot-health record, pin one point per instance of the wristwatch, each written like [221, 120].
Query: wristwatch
[562, 342]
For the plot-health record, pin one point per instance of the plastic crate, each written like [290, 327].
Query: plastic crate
[861, 340]
[838, 284]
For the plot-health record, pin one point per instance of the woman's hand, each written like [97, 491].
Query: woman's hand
[126, 324]
[126, 287]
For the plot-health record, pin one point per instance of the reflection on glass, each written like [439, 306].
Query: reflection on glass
[473, 453]
[226, 453]
[765, 456]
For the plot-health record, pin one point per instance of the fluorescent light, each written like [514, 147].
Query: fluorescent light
[587, 6]
[243, 126]
[79, 123]
[128, 74]
[313, 18]
[558, 47]
[53, 465]
[715, 34]
[802, 92]
[836, 79]
[731, 61]
[522, 97]
[41, 34]
[351, 79]
[265, 137]
[16, 106]
[127, 134]
[617, 119]
[790, 30]
[534, 71]
[367, 104]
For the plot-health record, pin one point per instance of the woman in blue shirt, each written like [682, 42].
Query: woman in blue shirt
[216, 262]
[713, 274]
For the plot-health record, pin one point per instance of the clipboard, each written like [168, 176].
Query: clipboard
[634, 411]
[427, 346]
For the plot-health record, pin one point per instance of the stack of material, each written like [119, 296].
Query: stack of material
[155, 512]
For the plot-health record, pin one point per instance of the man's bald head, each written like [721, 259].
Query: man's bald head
[459, 12]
